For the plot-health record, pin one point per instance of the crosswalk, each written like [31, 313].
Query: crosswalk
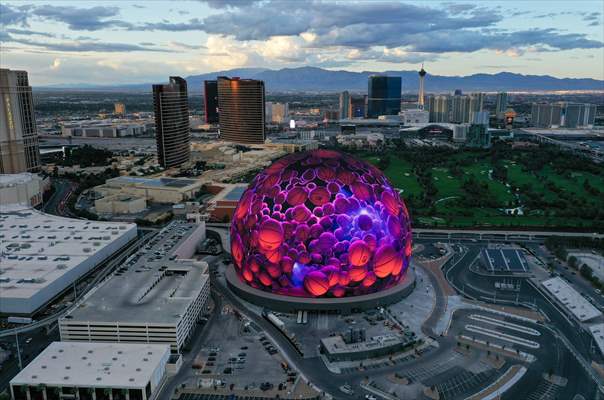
[544, 391]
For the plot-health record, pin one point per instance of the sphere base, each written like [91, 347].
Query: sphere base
[341, 305]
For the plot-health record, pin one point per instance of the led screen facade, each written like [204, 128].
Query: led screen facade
[321, 224]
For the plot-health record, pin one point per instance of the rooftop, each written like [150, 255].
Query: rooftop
[37, 249]
[336, 344]
[597, 331]
[89, 364]
[13, 179]
[582, 309]
[153, 182]
[156, 285]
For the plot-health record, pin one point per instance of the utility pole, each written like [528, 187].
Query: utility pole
[18, 351]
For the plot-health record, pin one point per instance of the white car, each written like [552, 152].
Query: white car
[370, 397]
[346, 389]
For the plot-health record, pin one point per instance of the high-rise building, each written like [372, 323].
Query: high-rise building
[420, 95]
[460, 110]
[480, 118]
[358, 107]
[476, 104]
[439, 108]
[119, 109]
[276, 113]
[171, 105]
[345, 105]
[563, 114]
[478, 136]
[210, 101]
[19, 149]
[384, 96]
[501, 104]
[241, 104]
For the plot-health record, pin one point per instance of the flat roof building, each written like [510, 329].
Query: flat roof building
[24, 188]
[38, 259]
[336, 348]
[226, 197]
[156, 296]
[87, 371]
[159, 190]
[504, 260]
[572, 300]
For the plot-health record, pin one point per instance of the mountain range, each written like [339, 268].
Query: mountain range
[312, 79]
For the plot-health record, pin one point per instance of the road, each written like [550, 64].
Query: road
[197, 342]
[57, 204]
[39, 341]
[482, 288]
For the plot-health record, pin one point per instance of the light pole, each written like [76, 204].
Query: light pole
[18, 351]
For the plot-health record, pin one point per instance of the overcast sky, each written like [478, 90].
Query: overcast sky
[107, 42]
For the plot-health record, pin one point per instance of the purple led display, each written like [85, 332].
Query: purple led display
[321, 224]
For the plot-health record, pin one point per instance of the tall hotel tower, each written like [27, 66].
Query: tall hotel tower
[19, 149]
[172, 135]
[241, 104]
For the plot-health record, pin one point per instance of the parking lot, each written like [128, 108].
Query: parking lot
[237, 355]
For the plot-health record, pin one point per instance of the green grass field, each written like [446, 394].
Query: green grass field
[449, 207]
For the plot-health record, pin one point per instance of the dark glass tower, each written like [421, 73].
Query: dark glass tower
[172, 135]
[241, 104]
[384, 96]
[210, 101]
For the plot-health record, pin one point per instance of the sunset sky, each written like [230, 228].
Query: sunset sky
[114, 42]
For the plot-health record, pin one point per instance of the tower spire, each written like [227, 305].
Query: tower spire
[420, 95]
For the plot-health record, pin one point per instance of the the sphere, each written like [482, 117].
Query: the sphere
[321, 224]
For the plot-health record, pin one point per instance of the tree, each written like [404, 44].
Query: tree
[586, 272]
[573, 262]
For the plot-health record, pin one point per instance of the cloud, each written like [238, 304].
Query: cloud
[229, 3]
[81, 46]
[194, 24]
[81, 19]
[28, 32]
[13, 16]
[594, 16]
[180, 45]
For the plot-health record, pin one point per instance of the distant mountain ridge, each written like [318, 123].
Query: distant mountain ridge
[313, 79]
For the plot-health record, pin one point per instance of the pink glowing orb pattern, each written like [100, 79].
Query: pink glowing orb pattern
[321, 224]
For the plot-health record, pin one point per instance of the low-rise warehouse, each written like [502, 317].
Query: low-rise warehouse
[156, 296]
[25, 188]
[336, 348]
[38, 259]
[87, 371]
[159, 190]
[572, 300]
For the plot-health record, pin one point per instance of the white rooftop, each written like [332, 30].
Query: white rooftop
[582, 309]
[86, 364]
[38, 250]
[597, 331]
[13, 179]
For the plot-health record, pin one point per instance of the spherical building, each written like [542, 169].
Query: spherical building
[321, 224]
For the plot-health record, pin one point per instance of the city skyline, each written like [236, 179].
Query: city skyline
[133, 42]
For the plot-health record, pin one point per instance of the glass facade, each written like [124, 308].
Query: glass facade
[384, 96]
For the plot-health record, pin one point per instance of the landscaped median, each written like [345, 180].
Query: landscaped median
[501, 385]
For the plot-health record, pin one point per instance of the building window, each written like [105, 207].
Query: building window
[20, 392]
[119, 394]
[102, 394]
[53, 393]
[85, 393]
[136, 394]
